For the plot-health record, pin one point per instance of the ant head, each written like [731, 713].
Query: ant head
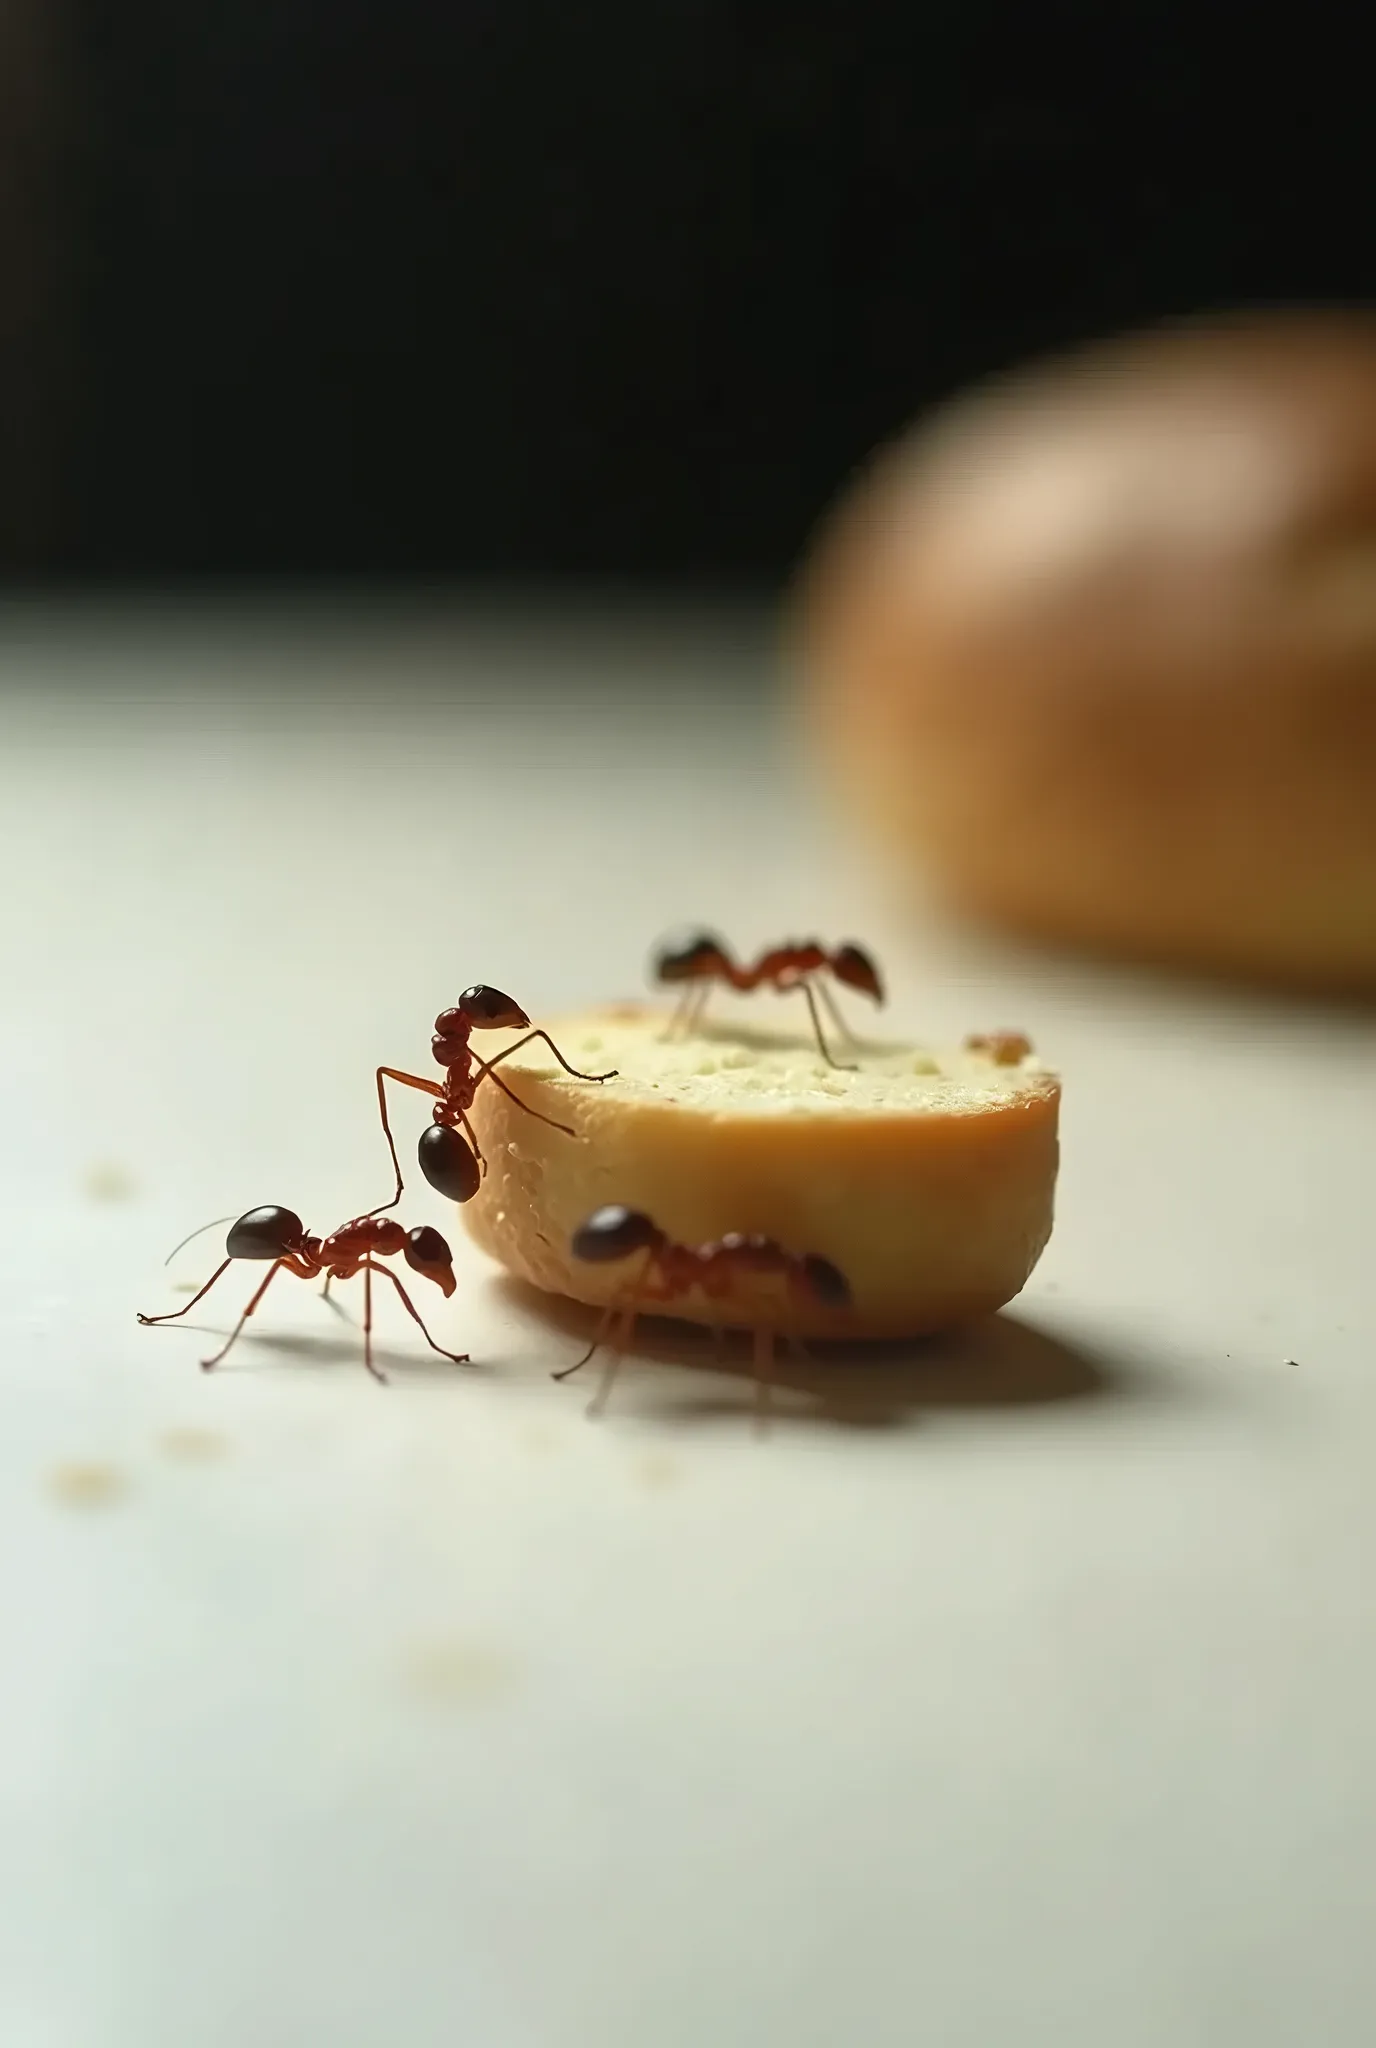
[487, 1009]
[853, 966]
[685, 956]
[428, 1254]
[266, 1233]
[448, 1164]
[614, 1233]
[826, 1283]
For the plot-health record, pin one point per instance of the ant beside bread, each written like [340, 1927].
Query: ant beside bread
[668, 1270]
[929, 1182]
[277, 1234]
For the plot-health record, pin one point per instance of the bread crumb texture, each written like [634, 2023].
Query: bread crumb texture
[928, 1178]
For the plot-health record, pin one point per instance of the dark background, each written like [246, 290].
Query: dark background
[531, 288]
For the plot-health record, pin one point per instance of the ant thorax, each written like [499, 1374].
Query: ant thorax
[714, 1268]
[454, 1053]
[784, 964]
[364, 1234]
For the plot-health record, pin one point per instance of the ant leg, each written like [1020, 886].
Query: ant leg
[486, 1066]
[385, 1074]
[764, 1378]
[614, 1308]
[701, 996]
[833, 1010]
[368, 1322]
[679, 1012]
[332, 1300]
[614, 1357]
[539, 1114]
[472, 1137]
[173, 1313]
[456, 1357]
[609, 1315]
[273, 1270]
[640, 1289]
[841, 1065]
[688, 1012]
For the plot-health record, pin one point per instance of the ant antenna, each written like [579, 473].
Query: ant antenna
[195, 1233]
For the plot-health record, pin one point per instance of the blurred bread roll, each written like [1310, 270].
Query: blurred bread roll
[1096, 648]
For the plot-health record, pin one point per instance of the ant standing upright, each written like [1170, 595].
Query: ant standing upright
[449, 1154]
[280, 1235]
[699, 959]
[669, 1269]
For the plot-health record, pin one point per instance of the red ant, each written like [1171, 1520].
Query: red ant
[1004, 1048]
[700, 959]
[613, 1233]
[280, 1235]
[452, 1167]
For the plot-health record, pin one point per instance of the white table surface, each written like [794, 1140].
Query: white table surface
[1019, 1690]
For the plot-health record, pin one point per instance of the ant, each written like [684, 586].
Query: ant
[452, 1167]
[280, 1235]
[1004, 1048]
[613, 1233]
[699, 959]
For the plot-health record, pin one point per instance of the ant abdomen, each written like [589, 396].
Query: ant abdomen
[854, 968]
[265, 1233]
[826, 1283]
[426, 1252]
[448, 1163]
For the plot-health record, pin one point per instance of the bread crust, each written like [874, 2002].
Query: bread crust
[930, 1183]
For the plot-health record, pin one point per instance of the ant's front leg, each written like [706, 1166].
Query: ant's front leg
[173, 1313]
[803, 983]
[385, 1074]
[486, 1066]
[287, 1262]
[483, 1072]
[622, 1311]
[472, 1137]
[833, 1010]
[688, 1012]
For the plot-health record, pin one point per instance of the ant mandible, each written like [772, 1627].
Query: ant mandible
[280, 1235]
[669, 1269]
[453, 1167]
[699, 959]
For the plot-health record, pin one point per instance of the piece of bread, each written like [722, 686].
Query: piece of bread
[1096, 649]
[927, 1180]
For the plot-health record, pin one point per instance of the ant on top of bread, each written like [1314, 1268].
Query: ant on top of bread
[699, 959]
[1004, 1048]
[280, 1235]
[669, 1269]
[448, 1163]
